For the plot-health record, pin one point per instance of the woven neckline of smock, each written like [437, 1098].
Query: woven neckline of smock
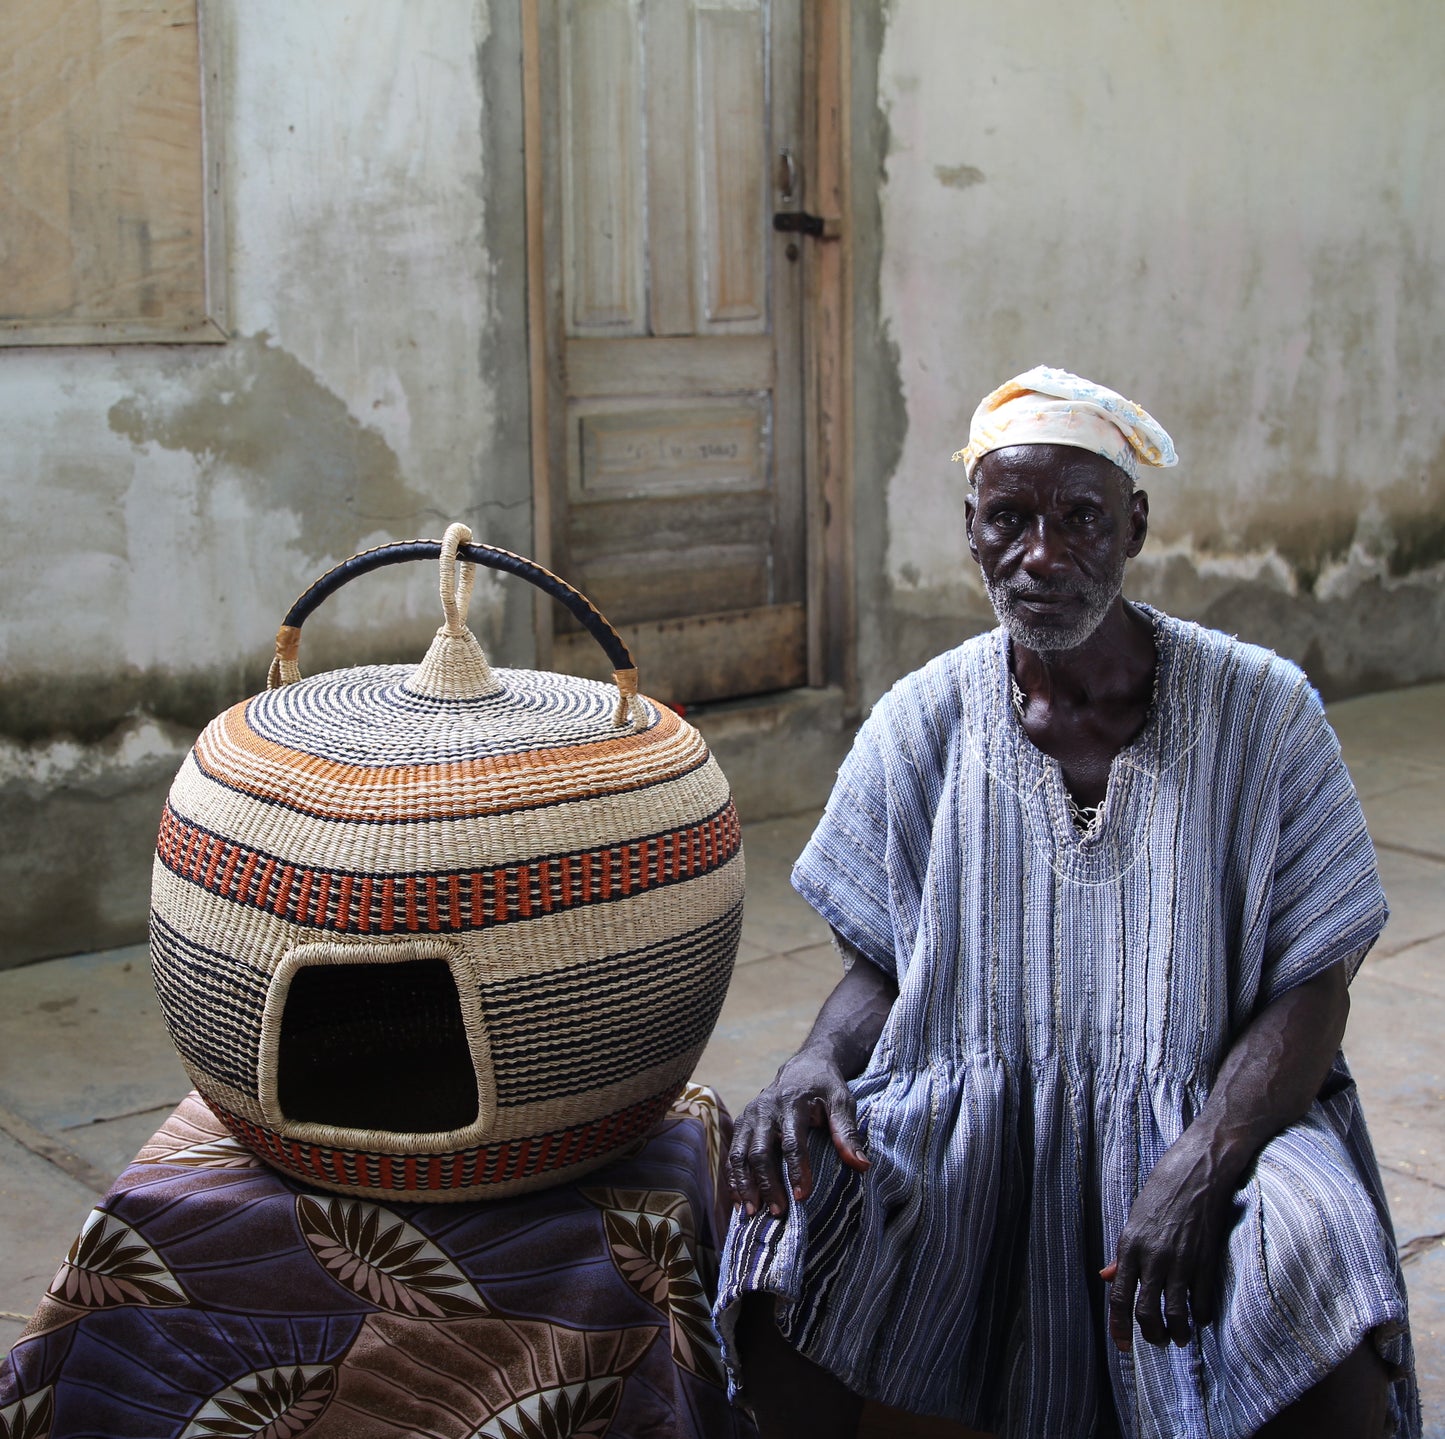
[1113, 844]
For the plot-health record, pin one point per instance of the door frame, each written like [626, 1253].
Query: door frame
[827, 338]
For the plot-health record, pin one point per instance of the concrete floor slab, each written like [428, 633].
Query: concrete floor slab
[1421, 966]
[1404, 724]
[41, 1211]
[768, 1013]
[99, 1009]
[1394, 1048]
[1415, 890]
[1425, 1279]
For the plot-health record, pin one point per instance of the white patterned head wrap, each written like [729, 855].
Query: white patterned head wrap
[1052, 407]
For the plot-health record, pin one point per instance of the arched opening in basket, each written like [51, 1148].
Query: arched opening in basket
[376, 1046]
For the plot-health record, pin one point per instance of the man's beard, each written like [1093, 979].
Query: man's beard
[1094, 598]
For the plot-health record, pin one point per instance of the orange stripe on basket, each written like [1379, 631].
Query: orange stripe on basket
[263, 889]
[494, 784]
[439, 901]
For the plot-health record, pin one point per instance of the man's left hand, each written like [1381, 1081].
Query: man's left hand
[1170, 1249]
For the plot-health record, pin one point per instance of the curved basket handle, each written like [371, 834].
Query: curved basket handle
[285, 668]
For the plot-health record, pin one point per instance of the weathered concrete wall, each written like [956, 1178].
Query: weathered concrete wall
[1227, 211]
[163, 505]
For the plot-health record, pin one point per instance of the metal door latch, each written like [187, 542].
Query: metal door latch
[800, 222]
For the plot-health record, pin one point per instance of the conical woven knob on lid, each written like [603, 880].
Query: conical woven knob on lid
[443, 930]
[455, 668]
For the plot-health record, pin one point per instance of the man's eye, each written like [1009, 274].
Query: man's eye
[1004, 520]
[1086, 515]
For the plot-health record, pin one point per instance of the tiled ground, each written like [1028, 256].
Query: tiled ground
[86, 1071]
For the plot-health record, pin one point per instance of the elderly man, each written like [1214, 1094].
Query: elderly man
[1100, 881]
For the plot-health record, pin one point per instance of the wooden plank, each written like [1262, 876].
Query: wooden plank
[671, 127]
[629, 589]
[732, 101]
[707, 657]
[666, 447]
[705, 366]
[537, 383]
[787, 304]
[832, 616]
[603, 167]
[103, 195]
[669, 522]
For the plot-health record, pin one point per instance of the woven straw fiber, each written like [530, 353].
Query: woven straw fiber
[580, 879]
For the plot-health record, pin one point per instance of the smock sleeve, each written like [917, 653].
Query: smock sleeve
[844, 870]
[1326, 903]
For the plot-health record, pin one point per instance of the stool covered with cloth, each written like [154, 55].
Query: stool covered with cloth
[210, 1297]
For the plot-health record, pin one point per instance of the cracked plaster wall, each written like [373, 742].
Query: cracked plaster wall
[164, 504]
[1229, 213]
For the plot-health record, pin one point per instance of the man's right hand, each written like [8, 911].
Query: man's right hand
[770, 1140]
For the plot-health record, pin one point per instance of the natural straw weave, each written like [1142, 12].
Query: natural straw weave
[570, 853]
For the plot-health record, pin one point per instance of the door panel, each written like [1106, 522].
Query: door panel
[732, 157]
[677, 455]
[602, 167]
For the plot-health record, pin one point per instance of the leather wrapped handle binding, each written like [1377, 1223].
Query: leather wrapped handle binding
[285, 667]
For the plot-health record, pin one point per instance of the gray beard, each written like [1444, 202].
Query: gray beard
[1095, 595]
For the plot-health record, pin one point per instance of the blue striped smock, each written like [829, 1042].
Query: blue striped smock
[1064, 1005]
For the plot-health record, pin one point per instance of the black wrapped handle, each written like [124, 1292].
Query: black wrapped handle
[490, 557]
[284, 669]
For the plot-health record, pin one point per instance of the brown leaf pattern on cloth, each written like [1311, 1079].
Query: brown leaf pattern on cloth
[110, 1264]
[383, 1259]
[190, 1140]
[269, 1404]
[699, 1102]
[29, 1418]
[578, 1409]
[651, 1235]
[407, 1380]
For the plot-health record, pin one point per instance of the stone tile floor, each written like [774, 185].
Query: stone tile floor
[87, 1073]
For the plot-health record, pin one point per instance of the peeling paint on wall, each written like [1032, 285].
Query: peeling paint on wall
[262, 411]
[1256, 253]
[165, 504]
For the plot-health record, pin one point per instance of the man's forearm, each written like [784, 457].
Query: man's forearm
[853, 1015]
[1272, 1074]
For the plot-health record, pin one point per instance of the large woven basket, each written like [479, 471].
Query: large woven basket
[444, 932]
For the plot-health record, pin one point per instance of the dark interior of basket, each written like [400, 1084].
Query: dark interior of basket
[376, 1046]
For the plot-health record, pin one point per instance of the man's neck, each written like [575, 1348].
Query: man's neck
[1112, 667]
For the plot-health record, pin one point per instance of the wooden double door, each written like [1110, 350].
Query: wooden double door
[664, 136]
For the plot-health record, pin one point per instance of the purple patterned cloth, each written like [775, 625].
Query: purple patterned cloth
[209, 1297]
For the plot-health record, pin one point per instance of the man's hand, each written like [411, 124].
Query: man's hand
[1173, 1240]
[1170, 1249]
[811, 1090]
[808, 1092]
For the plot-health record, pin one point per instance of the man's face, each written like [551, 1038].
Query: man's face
[1052, 531]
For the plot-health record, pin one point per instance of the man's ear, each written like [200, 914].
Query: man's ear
[970, 510]
[1138, 521]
